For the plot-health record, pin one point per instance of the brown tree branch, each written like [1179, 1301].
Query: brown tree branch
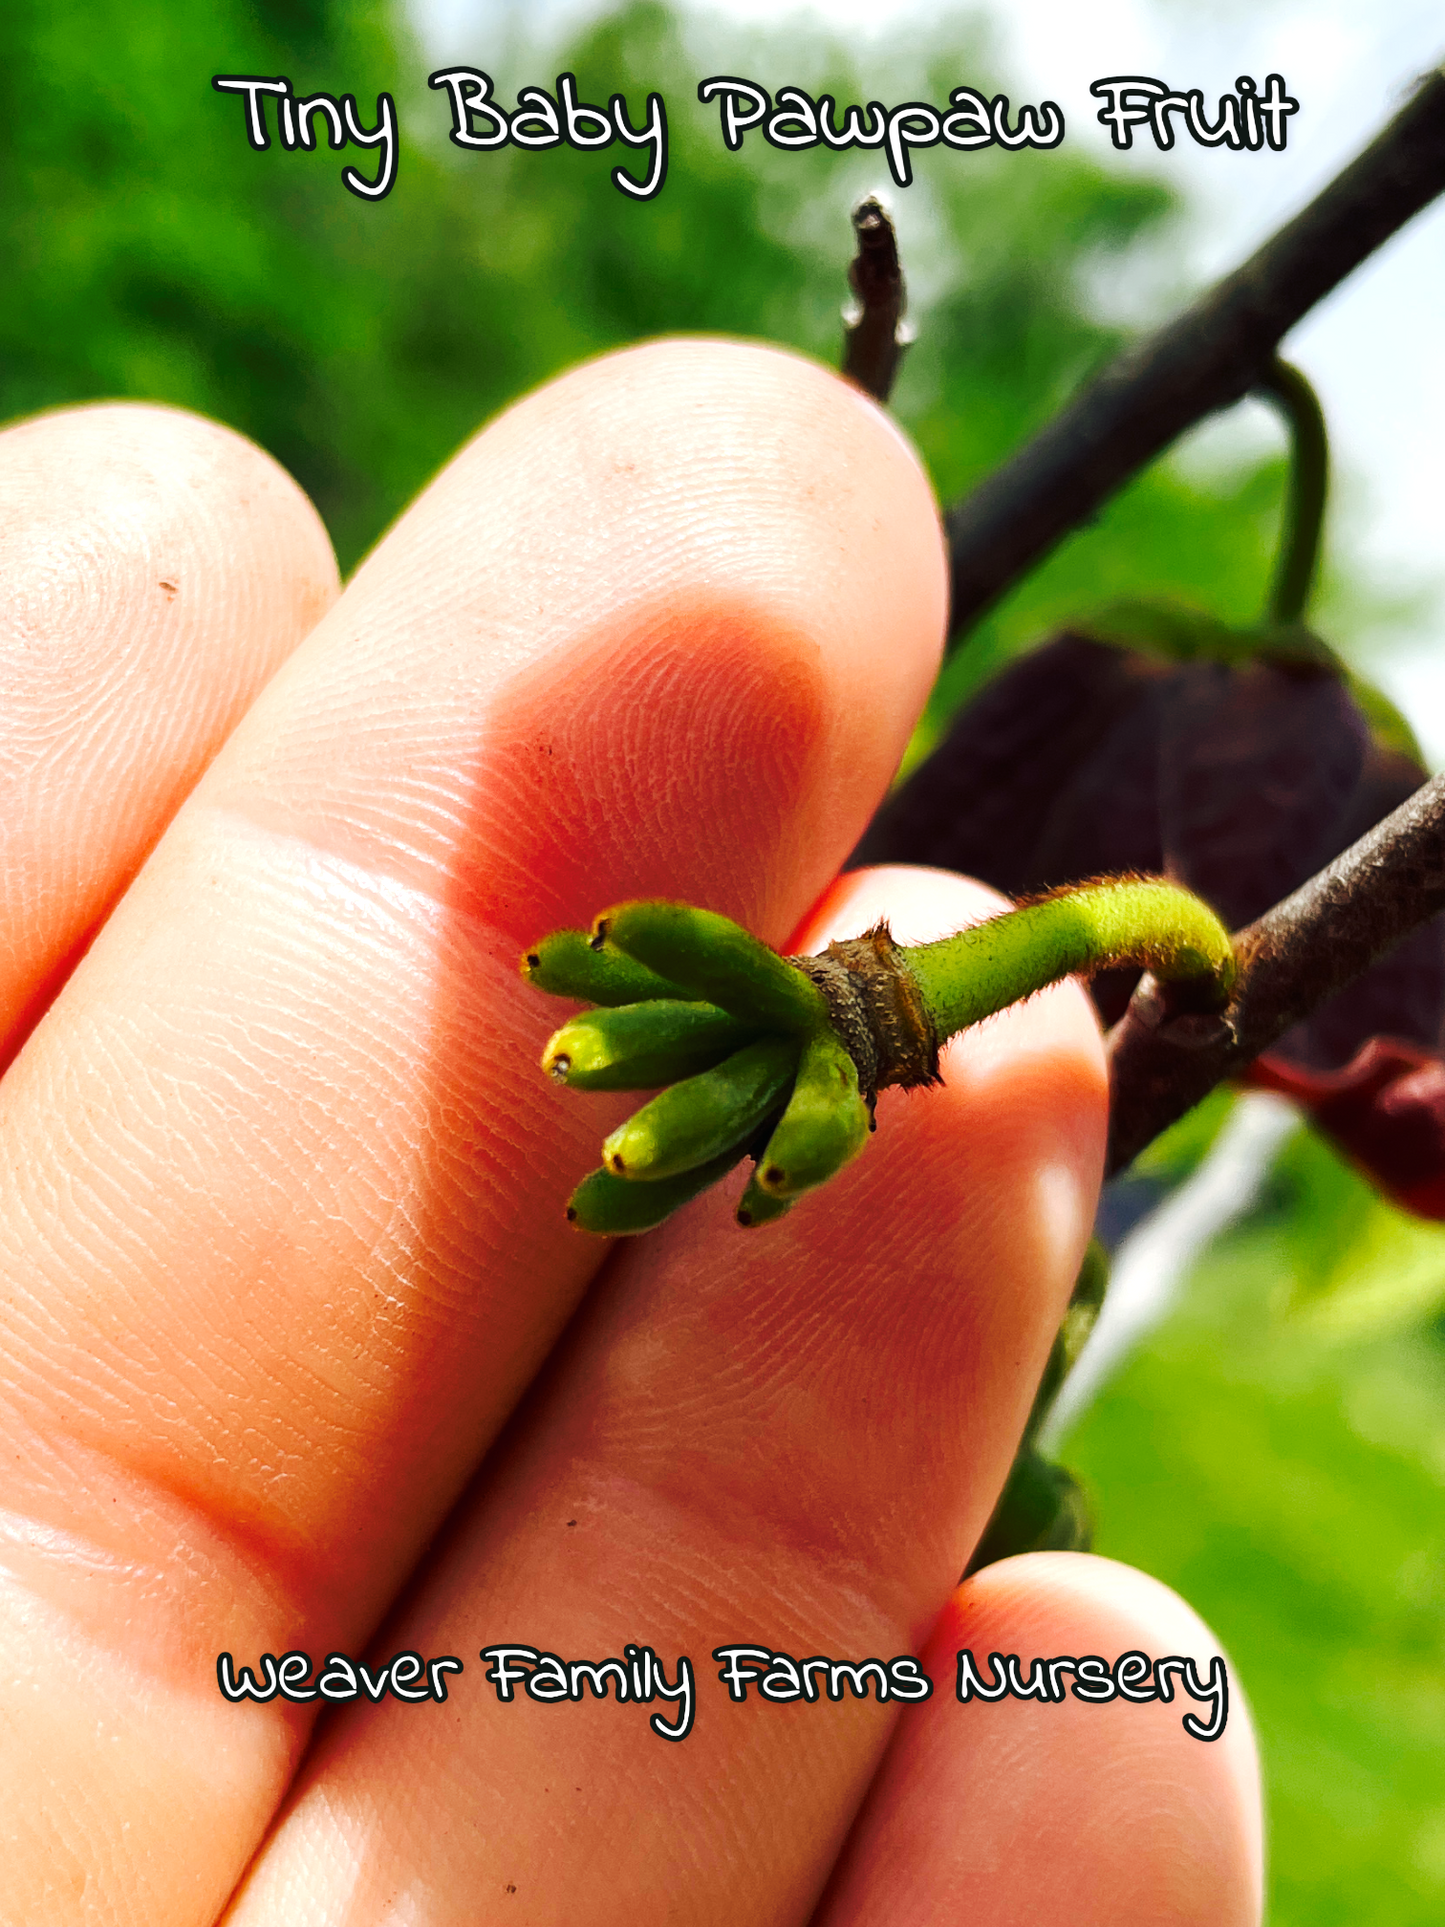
[1207, 359]
[1291, 959]
[873, 337]
[1163, 1057]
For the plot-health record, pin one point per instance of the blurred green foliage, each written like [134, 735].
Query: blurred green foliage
[1287, 1478]
[151, 253]
[1351, 1264]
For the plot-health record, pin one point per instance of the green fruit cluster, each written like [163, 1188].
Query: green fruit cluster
[742, 1042]
[780, 1059]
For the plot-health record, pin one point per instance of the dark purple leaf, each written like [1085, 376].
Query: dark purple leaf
[1241, 779]
[986, 798]
[1256, 767]
[1385, 1111]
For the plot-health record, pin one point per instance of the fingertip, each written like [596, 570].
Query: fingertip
[1109, 1812]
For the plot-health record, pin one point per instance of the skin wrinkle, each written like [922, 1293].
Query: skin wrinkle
[118, 1614]
[684, 1512]
[236, 1530]
[96, 654]
[253, 1031]
[531, 794]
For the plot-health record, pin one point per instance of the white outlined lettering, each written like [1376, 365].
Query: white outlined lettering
[246, 1685]
[437, 1668]
[653, 134]
[549, 1684]
[539, 126]
[596, 1673]
[406, 1669]
[794, 108]
[502, 1675]
[470, 93]
[909, 1681]
[734, 1675]
[729, 91]
[1130, 1671]
[575, 112]
[253, 86]
[970, 1681]
[793, 121]
[1226, 128]
[1159, 112]
[543, 120]
[1054, 1667]
[374, 1684]
[335, 123]
[857, 1676]
[1133, 1677]
[550, 1680]
[851, 133]
[1035, 1687]
[684, 1692]
[1249, 112]
[292, 1675]
[784, 1680]
[338, 1681]
[807, 1668]
[1164, 1669]
[1093, 1681]
[969, 110]
[914, 124]
[383, 135]
[1246, 118]
[1131, 99]
[294, 123]
[341, 1678]
[1276, 107]
[1215, 1688]
[1037, 126]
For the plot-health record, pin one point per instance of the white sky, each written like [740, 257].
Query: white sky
[1375, 348]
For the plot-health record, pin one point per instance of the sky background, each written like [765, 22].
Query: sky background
[1373, 349]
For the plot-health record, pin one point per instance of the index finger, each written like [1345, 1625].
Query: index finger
[285, 1206]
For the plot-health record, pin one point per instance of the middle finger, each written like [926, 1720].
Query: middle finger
[787, 1440]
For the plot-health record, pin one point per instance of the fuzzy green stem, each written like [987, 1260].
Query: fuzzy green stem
[1096, 926]
[1304, 512]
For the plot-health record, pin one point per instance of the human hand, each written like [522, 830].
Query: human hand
[288, 1279]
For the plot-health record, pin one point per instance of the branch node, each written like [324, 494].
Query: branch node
[874, 333]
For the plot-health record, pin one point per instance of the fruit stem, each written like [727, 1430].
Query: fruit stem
[1091, 926]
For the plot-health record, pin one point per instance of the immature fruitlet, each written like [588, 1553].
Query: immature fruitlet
[825, 1124]
[642, 1046]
